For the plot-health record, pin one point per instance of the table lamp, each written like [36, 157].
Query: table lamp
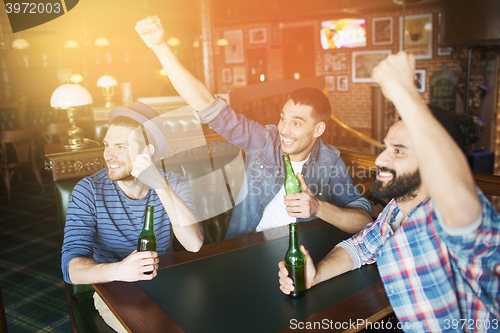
[107, 82]
[68, 97]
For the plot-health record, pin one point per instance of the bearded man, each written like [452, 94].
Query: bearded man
[437, 242]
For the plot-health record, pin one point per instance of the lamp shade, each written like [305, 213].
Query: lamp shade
[222, 42]
[101, 41]
[20, 44]
[173, 41]
[76, 78]
[70, 95]
[107, 81]
[71, 44]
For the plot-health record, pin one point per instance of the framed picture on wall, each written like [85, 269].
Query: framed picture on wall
[330, 82]
[239, 76]
[226, 75]
[258, 36]
[416, 35]
[382, 31]
[363, 63]
[342, 83]
[420, 80]
[234, 52]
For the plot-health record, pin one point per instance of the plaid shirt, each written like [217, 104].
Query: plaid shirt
[431, 276]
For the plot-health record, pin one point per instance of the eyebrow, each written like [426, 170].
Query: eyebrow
[294, 117]
[397, 145]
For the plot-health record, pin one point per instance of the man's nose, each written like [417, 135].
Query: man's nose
[382, 159]
[286, 129]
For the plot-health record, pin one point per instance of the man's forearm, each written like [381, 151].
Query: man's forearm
[83, 270]
[189, 88]
[186, 227]
[443, 167]
[337, 262]
[350, 220]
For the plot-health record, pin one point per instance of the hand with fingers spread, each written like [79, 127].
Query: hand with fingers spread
[134, 266]
[304, 204]
[151, 31]
[286, 283]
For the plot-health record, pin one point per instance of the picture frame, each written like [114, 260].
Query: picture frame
[239, 76]
[420, 80]
[382, 33]
[234, 52]
[226, 75]
[258, 36]
[342, 83]
[416, 35]
[330, 82]
[363, 63]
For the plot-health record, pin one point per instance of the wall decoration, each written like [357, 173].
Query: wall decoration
[336, 34]
[363, 63]
[234, 51]
[330, 82]
[335, 61]
[442, 89]
[417, 35]
[420, 80]
[382, 31]
[258, 36]
[239, 76]
[342, 83]
[226, 75]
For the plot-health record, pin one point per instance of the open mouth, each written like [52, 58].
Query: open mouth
[114, 166]
[287, 142]
[385, 174]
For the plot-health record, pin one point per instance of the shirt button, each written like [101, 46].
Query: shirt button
[267, 200]
[260, 213]
[279, 184]
[250, 230]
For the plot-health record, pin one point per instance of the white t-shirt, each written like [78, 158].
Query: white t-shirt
[275, 214]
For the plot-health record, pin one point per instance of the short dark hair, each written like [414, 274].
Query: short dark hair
[461, 127]
[132, 124]
[314, 98]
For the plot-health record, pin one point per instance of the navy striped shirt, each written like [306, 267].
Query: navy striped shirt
[103, 223]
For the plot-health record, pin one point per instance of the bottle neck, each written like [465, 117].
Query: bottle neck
[294, 236]
[149, 218]
[288, 166]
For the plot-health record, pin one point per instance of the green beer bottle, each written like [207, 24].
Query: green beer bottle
[292, 183]
[295, 263]
[294, 258]
[147, 238]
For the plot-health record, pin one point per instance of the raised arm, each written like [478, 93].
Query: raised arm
[189, 88]
[443, 167]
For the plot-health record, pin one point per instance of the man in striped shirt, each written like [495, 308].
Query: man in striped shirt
[437, 243]
[106, 210]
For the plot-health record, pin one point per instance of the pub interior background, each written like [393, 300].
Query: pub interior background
[269, 43]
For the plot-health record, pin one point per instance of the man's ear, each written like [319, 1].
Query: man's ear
[320, 129]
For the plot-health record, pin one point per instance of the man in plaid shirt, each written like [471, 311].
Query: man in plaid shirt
[437, 242]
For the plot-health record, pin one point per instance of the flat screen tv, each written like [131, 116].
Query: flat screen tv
[337, 34]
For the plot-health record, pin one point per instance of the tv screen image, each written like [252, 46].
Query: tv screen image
[337, 34]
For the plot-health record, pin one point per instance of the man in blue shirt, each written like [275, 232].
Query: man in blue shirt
[106, 210]
[328, 192]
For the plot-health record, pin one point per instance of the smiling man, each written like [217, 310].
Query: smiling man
[327, 189]
[437, 242]
[106, 210]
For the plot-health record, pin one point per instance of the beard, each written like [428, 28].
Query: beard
[401, 188]
[124, 175]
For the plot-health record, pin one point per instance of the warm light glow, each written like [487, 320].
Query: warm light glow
[163, 72]
[222, 42]
[70, 95]
[71, 44]
[101, 41]
[196, 43]
[107, 81]
[20, 44]
[262, 77]
[76, 78]
[173, 41]
[296, 76]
